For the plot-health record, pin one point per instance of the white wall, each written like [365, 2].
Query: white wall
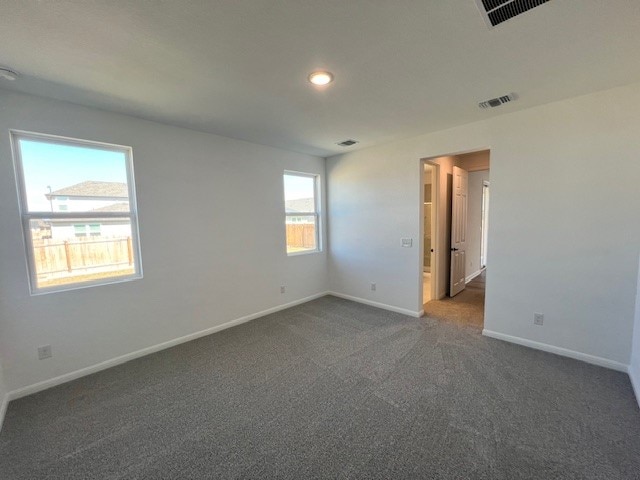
[109, 228]
[564, 180]
[474, 220]
[212, 237]
[634, 367]
[75, 204]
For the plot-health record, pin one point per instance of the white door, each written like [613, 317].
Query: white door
[458, 230]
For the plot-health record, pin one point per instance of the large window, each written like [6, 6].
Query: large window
[301, 213]
[78, 207]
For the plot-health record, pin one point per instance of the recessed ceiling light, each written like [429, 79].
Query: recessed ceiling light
[321, 78]
[8, 74]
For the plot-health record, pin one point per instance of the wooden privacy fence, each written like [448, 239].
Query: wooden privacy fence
[301, 235]
[53, 256]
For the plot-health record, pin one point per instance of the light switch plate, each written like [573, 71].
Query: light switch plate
[44, 352]
[538, 319]
[406, 242]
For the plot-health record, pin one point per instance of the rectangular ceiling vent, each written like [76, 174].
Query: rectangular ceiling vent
[496, 102]
[347, 143]
[497, 11]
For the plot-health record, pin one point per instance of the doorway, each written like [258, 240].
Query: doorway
[454, 255]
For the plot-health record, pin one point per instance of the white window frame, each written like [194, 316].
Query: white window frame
[89, 217]
[315, 214]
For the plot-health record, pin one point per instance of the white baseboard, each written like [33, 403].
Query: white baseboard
[473, 275]
[565, 352]
[384, 306]
[67, 377]
[634, 376]
[3, 409]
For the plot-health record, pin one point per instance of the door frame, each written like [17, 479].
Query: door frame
[486, 201]
[435, 238]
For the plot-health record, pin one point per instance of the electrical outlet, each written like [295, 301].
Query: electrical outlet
[44, 352]
[373, 287]
[283, 289]
[538, 318]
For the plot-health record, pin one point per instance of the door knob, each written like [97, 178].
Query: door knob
[454, 249]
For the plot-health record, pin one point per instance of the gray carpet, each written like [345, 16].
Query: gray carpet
[332, 389]
[465, 309]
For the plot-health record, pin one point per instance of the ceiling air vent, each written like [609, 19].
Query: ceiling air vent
[497, 11]
[347, 143]
[496, 102]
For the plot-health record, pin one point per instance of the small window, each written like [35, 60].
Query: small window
[94, 230]
[80, 230]
[91, 239]
[301, 213]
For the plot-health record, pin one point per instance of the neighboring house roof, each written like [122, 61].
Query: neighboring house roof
[115, 207]
[299, 205]
[91, 188]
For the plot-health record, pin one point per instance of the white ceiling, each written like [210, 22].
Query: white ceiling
[239, 67]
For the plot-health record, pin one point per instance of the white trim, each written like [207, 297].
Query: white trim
[634, 376]
[384, 306]
[67, 377]
[3, 409]
[473, 275]
[304, 252]
[565, 352]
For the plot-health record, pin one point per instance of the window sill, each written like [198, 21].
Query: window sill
[306, 252]
[89, 284]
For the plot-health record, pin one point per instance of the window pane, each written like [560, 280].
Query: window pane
[301, 234]
[73, 178]
[68, 191]
[80, 230]
[68, 251]
[299, 193]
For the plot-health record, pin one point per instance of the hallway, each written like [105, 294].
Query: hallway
[465, 309]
